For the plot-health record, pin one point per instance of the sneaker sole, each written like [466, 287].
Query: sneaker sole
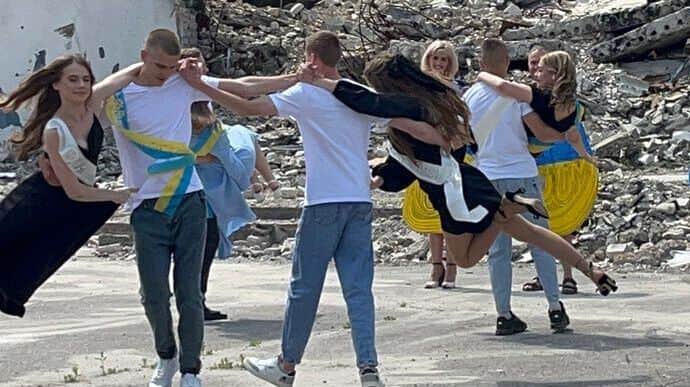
[508, 332]
[250, 368]
[560, 327]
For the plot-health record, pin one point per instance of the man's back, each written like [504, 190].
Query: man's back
[505, 154]
[336, 140]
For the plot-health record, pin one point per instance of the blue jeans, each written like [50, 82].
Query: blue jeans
[500, 266]
[341, 231]
[157, 238]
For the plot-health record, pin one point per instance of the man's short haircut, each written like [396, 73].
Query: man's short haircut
[326, 46]
[494, 50]
[164, 39]
[191, 52]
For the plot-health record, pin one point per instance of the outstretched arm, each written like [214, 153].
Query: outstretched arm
[519, 91]
[191, 72]
[113, 83]
[252, 86]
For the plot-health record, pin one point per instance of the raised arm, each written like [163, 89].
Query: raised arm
[113, 83]
[519, 91]
[262, 106]
[542, 131]
[252, 86]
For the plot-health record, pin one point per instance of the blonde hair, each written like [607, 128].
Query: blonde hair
[445, 48]
[565, 84]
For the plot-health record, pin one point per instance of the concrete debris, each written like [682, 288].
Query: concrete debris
[663, 32]
[638, 110]
[600, 19]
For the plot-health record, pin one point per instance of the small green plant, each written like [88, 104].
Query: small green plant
[255, 343]
[145, 364]
[208, 352]
[74, 376]
[403, 304]
[347, 325]
[223, 364]
[390, 318]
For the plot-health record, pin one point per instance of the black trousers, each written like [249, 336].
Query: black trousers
[212, 241]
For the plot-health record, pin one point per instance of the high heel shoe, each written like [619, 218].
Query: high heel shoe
[605, 284]
[448, 284]
[534, 206]
[435, 282]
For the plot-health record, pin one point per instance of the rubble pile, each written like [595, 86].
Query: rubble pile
[633, 75]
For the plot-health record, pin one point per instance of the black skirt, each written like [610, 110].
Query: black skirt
[477, 189]
[40, 229]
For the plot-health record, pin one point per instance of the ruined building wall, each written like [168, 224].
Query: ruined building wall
[109, 32]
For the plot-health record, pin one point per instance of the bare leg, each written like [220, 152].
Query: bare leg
[437, 272]
[567, 269]
[521, 229]
[468, 249]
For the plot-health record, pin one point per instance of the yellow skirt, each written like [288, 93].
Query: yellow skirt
[418, 212]
[570, 190]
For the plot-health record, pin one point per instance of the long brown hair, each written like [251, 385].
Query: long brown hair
[444, 109]
[565, 85]
[40, 84]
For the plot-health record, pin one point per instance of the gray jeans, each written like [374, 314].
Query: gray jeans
[500, 268]
[157, 238]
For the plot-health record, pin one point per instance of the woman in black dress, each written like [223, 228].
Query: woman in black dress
[472, 212]
[44, 222]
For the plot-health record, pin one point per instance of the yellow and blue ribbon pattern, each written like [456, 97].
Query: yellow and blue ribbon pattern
[169, 156]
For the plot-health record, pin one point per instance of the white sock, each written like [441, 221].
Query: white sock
[506, 315]
[554, 306]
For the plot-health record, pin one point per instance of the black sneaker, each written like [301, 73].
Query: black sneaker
[559, 319]
[213, 315]
[511, 326]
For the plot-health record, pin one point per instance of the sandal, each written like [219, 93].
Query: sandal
[448, 284]
[532, 286]
[534, 206]
[569, 286]
[434, 283]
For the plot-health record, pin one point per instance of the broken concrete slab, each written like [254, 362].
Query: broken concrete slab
[652, 68]
[630, 85]
[662, 32]
[615, 19]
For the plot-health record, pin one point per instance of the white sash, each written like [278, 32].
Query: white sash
[448, 175]
[69, 150]
[490, 119]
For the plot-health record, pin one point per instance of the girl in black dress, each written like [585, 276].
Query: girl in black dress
[472, 212]
[552, 98]
[44, 220]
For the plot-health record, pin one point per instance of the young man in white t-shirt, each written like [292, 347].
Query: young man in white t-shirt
[157, 104]
[336, 219]
[505, 159]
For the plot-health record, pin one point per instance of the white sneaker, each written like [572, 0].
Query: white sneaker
[371, 378]
[164, 372]
[268, 370]
[190, 380]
